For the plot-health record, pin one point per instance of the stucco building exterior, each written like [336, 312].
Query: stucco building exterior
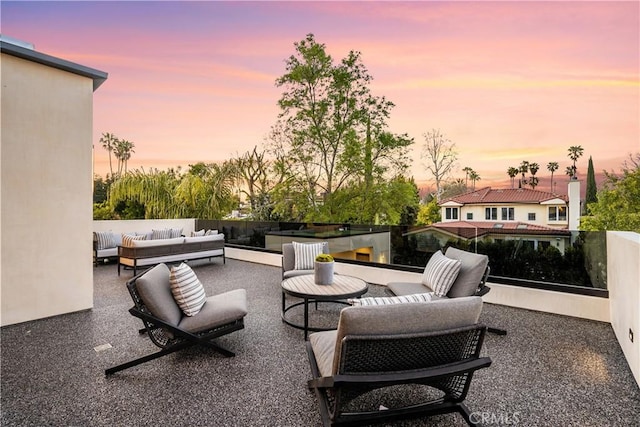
[45, 183]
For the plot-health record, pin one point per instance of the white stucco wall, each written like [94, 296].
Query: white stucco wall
[47, 119]
[623, 282]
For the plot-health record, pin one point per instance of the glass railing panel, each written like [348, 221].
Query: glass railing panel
[563, 258]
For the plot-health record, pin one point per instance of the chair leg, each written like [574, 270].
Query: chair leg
[497, 331]
[147, 358]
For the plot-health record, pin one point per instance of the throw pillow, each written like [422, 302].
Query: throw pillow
[197, 233]
[127, 239]
[105, 239]
[305, 254]
[161, 234]
[176, 232]
[211, 232]
[440, 273]
[426, 297]
[187, 289]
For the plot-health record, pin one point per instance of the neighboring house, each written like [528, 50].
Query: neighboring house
[537, 218]
[45, 180]
[508, 206]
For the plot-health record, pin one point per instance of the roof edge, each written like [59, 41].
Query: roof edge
[97, 76]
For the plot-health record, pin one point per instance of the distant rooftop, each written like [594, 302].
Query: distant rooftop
[488, 195]
[471, 229]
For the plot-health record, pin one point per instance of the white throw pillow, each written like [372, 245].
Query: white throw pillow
[211, 232]
[305, 254]
[105, 239]
[187, 289]
[426, 297]
[127, 239]
[197, 233]
[440, 273]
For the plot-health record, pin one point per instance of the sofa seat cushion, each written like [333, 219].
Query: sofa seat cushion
[106, 253]
[407, 288]
[293, 273]
[324, 346]
[217, 310]
[209, 238]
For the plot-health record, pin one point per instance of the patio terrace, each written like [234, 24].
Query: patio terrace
[549, 370]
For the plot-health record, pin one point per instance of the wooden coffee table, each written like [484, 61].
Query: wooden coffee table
[304, 287]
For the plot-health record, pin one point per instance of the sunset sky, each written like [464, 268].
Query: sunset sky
[504, 81]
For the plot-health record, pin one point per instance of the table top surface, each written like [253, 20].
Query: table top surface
[343, 286]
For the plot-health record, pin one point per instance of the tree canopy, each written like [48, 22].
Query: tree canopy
[618, 202]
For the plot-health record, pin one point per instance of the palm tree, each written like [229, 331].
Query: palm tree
[473, 176]
[570, 170]
[524, 168]
[122, 151]
[575, 152]
[552, 167]
[109, 142]
[512, 172]
[467, 171]
[533, 168]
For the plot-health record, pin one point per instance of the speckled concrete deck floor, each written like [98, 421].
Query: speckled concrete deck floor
[548, 370]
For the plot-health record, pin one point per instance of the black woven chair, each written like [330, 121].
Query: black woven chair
[435, 357]
[166, 325]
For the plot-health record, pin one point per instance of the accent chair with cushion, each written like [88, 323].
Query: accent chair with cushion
[428, 349]
[470, 279]
[298, 258]
[177, 313]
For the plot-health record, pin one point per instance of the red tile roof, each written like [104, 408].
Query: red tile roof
[488, 195]
[468, 229]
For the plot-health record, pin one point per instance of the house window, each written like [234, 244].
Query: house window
[469, 215]
[531, 216]
[557, 213]
[508, 214]
[451, 213]
[491, 214]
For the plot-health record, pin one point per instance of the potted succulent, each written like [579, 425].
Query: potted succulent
[323, 269]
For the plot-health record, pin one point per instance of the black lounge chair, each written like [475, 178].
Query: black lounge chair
[435, 344]
[168, 327]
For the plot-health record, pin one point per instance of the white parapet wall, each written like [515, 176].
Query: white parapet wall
[144, 225]
[623, 282]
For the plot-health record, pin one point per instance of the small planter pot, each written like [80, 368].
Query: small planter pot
[323, 273]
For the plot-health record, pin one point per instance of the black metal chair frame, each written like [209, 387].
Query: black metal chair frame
[445, 360]
[169, 337]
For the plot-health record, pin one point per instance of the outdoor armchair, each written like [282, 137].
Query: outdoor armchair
[292, 267]
[166, 324]
[471, 280]
[430, 348]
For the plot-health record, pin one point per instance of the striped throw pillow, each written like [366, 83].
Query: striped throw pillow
[187, 289]
[440, 273]
[105, 239]
[176, 232]
[305, 254]
[161, 234]
[426, 297]
[127, 239]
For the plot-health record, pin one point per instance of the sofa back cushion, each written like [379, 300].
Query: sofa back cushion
[398, 319]
[154, 289]
[472, 268]
[158, 242]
